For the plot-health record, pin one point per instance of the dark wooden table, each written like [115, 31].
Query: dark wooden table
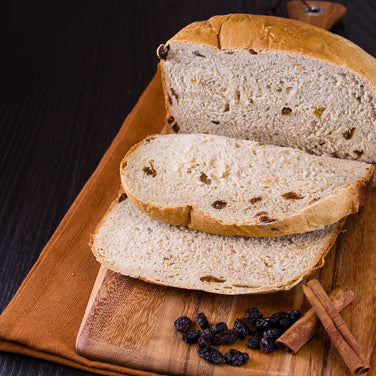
[70, 71]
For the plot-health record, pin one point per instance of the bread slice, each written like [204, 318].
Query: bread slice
[272, 80]
[227, 186]
[131, 243]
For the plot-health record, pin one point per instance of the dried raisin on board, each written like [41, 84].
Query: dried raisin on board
[264, 324]
[191, 336]
[244, 327]
[253, 314]
[275, 318]
[273, 334]
[236, 358]
[226, 337]
[294, 315]
[211, 355]
[267, 346]
[218, 327]
[183, 324]
[202, 321]
[254, 341]
[205, 338]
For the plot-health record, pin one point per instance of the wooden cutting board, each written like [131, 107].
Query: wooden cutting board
[130, 322]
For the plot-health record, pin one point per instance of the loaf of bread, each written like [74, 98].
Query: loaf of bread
[228, 186]
[131, 243]
[272, 80]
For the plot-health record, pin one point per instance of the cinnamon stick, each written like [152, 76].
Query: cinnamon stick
[336, 328]
[304, 329]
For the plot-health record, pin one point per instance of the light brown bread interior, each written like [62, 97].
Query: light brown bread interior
[229, 186]
[273, 80]
[131, 243]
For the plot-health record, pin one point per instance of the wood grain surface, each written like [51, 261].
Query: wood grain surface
[70, 71]
[130, 322]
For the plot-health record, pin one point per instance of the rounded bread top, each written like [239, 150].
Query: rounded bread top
[242, 31]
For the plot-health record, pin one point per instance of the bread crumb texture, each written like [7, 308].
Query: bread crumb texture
[129, 242]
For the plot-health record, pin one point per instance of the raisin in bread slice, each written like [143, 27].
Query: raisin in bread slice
[228, 186]
[272, 80]
[131, 243]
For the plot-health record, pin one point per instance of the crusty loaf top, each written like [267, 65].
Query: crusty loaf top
[239, 31]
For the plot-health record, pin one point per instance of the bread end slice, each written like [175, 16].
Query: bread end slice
[131, 243]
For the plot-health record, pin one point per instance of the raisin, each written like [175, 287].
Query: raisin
[266, 219]
[218, 327]
[267, 346]
[170, 120]
[252, 51]
[202, 321]
[347, 135]
[236, 358]
[272, 334]
[277, 317]
[211, 355]
[285, 323]
[219, 204]
[289, 318]
[225, 337]
[150, 171]
[204, 178]
[176, 128]
[286, 111]
[174, 93]
[210, 278]
[253, 314]
[358, 153]
[123, 197]
[215, 122]
[253, 200]
[183, 324]
[254, 341]
[162, 51]
[292, 196]
[196, 53]
[273, 321]
[294, 315]
[244, 327]
[264, 324]
[192, 336]
[205, 338]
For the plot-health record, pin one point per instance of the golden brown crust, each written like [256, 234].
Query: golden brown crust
[319, 262]
[240, 31]
[328, 210]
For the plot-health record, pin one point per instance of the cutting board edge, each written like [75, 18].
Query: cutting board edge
[82, 340]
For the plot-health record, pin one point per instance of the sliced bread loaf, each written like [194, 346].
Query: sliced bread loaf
[273, 80]
[129, 242]
[227, 186]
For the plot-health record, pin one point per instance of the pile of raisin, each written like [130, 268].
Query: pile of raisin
[263, 334]
[269, 329]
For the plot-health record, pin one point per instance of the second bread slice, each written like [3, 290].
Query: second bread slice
[228, 186]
